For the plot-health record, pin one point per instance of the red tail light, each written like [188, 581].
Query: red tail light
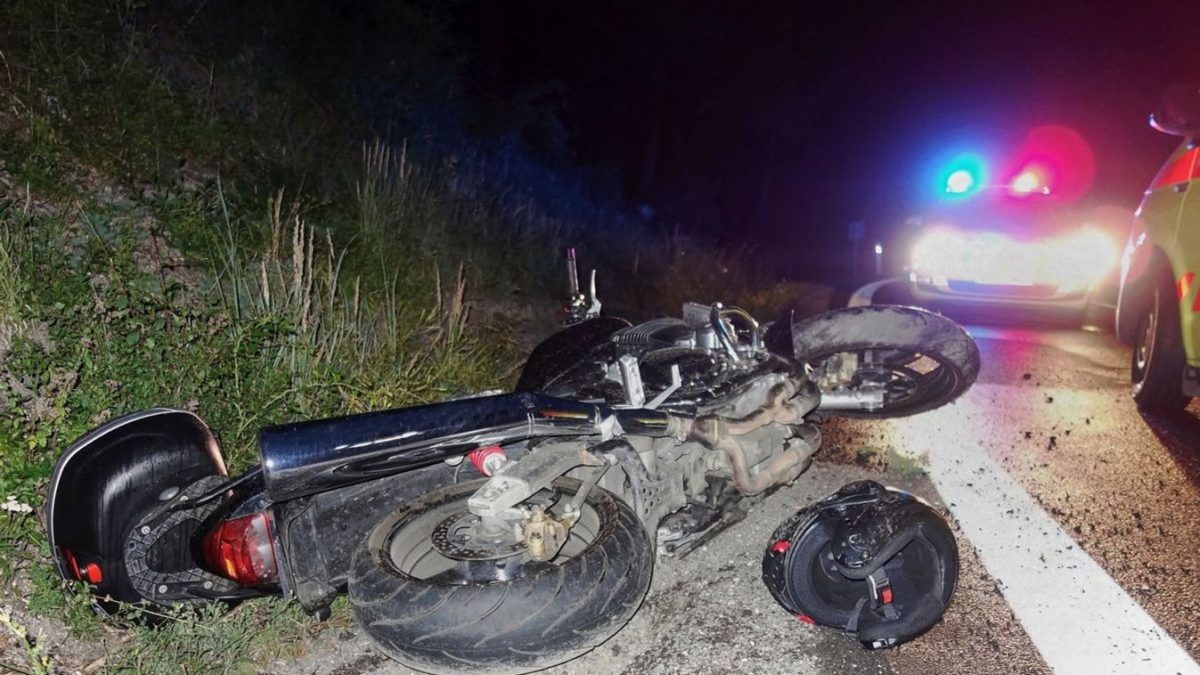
[241, 549]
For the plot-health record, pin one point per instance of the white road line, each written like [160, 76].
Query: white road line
[862, 296]
[1079, 618]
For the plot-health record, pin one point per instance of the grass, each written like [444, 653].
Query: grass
[267, 323]
[255, 337]
[210, 637]
[10, 275]
[381, 194]
[202, 638]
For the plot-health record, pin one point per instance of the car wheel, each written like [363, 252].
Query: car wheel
[1157, 362]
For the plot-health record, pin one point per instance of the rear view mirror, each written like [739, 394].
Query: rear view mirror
[1178, 113]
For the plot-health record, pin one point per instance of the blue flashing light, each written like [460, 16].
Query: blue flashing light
[960, 181]
[963, 176]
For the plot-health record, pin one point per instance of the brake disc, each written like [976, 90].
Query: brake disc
[466, 536]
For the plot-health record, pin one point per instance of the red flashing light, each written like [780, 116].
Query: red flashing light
[781, 546]
[242, 550]
[804, 618]
[1053, 158]
[1029, 181]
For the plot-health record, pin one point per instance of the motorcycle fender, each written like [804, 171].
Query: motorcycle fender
[319, 534]
[109, 478]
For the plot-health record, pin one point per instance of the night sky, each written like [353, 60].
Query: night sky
[784, 121]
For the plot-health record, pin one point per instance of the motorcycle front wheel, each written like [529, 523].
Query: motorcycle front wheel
[911, 360]
[439, 598]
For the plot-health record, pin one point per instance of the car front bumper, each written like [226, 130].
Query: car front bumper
[1041, 296]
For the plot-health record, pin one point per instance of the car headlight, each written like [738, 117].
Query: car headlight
[1083, 259]
[935, 249]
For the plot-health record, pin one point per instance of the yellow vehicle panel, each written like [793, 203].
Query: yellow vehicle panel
[1169, 217]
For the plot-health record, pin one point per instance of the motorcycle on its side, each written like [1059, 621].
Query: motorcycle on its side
[503, 532]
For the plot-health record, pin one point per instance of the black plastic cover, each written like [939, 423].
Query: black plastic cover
[566, 350]
[110, 478]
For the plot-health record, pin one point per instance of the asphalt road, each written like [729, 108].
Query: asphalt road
[1077, 520]
[1050, 417]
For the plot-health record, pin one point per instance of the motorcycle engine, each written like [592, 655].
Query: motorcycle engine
[712, 361]
[687, 359]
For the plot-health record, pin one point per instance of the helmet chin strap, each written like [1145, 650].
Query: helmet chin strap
[881, 598]
[881, 591]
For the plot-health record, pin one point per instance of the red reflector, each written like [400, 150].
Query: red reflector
[886, 596]
[1185, 284]
[242, 550]
[806, 619]
[1179, 171]
[72, 563]
[93, 574]
[781, 546]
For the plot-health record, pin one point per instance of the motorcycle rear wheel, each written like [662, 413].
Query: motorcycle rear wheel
[922, 360]
[441, 615]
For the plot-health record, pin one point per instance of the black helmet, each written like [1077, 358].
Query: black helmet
[868, 559]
